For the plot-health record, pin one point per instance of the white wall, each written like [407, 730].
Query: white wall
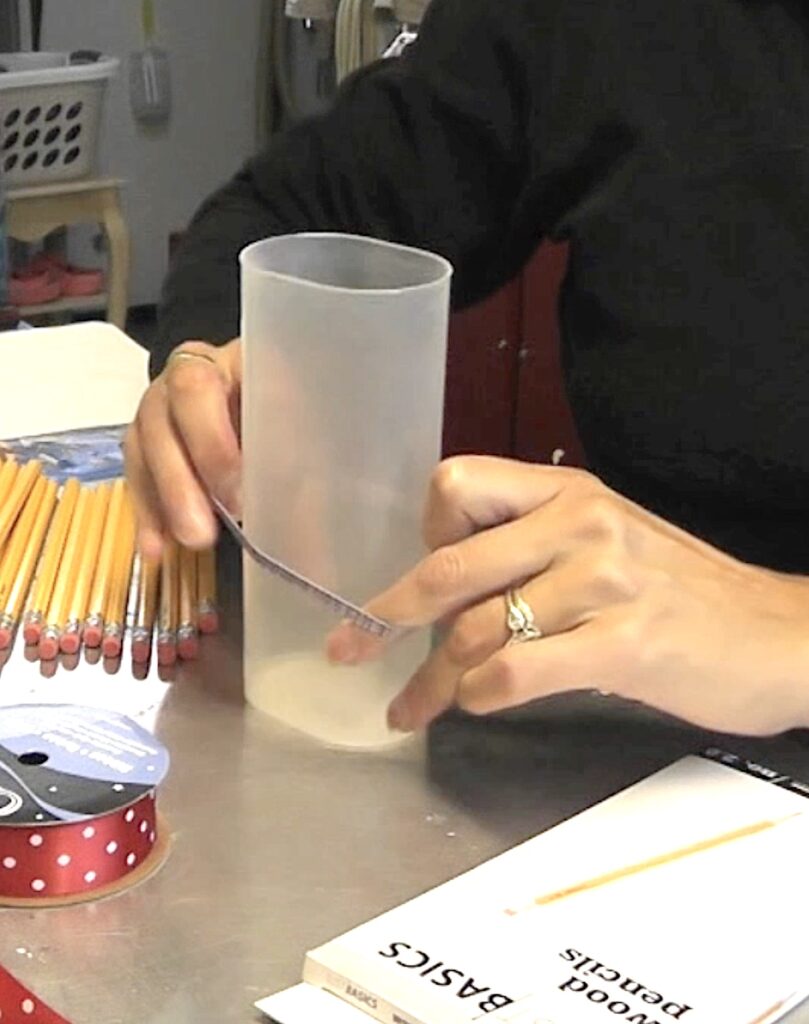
[213, 46]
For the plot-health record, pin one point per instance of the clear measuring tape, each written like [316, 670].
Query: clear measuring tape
[369, 623]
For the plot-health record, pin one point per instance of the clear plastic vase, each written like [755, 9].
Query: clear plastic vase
[344, 359]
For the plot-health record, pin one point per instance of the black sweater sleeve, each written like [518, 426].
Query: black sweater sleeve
[428, 149]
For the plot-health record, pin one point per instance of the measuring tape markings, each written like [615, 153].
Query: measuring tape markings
[364, 620]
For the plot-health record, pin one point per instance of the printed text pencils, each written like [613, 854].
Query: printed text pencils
[115, 607]
[70, 640]
[94, 623]
[13, 598]
[168, 612]
[49, 561]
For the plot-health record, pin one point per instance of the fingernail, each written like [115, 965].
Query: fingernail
[198, 529]
[150, 543]
[399, 717]
[343, 646]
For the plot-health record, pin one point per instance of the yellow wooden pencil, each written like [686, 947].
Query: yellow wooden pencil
[168, 610]
[52, 551]
[65, 580]
[18, 539]
[770, 1014]
[17, 497]
[15, 601]
[94, 624]
[29, 536]
[187, 637]
[207, 612]
[145, 610]
[115, 605]
[652, 862]
[8, 472]
[98, 501]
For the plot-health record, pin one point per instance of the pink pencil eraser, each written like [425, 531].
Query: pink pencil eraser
[166, 653]
[141, 649]
[208, 622]
[92, 636]
[69, 643]
[31, 633]
[48, 647]
[5, 638]
[188, 648]
[111, 646]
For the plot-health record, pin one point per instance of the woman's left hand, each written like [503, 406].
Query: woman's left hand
[626, 602]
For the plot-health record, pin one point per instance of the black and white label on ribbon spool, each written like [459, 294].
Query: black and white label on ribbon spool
[60, 763]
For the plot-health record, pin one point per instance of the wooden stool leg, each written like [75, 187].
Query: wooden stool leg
[117, 233]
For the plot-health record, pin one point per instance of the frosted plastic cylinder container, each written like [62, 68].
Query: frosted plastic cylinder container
[344, 344]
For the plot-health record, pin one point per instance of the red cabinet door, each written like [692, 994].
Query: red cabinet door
[482, 375]
[543, 420]
[505, 393]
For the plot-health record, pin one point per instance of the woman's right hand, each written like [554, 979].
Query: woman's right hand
[184, 444]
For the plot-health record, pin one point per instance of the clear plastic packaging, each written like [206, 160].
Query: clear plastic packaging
[345, 352]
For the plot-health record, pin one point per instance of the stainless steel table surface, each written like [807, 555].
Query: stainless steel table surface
[280, 844]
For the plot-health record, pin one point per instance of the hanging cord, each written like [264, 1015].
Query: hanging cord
[147, 21]
[264, 98]
[369, 41]
[275, 100]
[356, 42]
[36, 23]
[343, 38]
[282, 63]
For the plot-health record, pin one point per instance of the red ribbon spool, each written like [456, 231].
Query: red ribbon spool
[58, 859]
[19, 1006]
[78, 816]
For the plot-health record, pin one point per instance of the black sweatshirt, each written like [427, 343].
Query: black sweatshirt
[668, 140]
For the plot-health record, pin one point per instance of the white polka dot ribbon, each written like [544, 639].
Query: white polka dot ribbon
[58, 859]
[20, 1006]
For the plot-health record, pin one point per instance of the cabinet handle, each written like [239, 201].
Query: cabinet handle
[523, 354]
[502, 344]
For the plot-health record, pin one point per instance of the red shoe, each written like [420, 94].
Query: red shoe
[75, 281]
[28, 287]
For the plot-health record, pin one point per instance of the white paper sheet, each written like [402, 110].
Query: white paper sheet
[305, 1004]
[66, 378]
[22, 682]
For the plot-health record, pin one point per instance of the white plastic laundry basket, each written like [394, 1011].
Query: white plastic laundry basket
[50, 115]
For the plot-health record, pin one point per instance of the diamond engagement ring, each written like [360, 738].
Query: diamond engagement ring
[520, 619]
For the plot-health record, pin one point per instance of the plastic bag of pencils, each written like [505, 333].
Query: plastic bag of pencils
[70, 574]
[89, 455]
